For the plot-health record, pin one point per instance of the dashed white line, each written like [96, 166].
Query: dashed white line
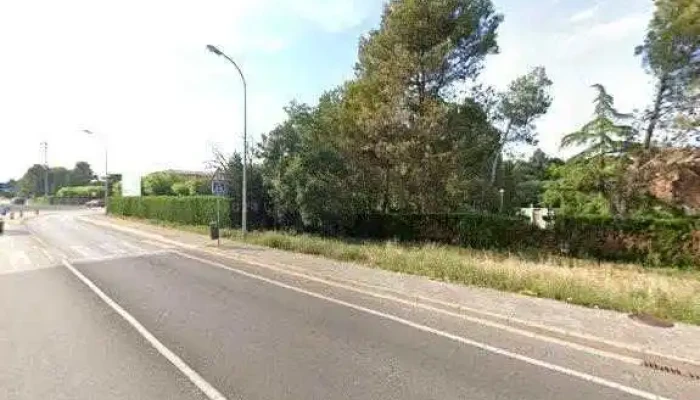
[210, 391]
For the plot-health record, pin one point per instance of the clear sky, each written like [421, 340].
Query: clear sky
[137, 72]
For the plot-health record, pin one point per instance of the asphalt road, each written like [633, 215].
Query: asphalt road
[249, 334]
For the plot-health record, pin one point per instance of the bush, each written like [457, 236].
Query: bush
[654, 242]
[180, 189]
[92, 192]
[191, 210]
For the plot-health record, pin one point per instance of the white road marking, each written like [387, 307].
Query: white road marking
[19, 259]
[552, 367]
[484, 322]
[190, 373]
[286, 267]
[118, 257]
[133, 247]
[47, 254]
[112, 249]
[83, 251]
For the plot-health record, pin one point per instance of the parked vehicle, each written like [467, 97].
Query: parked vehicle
[19, 201]
[95, 203]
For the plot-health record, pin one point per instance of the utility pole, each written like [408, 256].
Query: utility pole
[45, 148]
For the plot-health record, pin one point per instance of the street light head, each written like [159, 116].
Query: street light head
[89, 132]
[214, 50]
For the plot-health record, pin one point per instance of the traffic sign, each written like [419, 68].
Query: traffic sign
[219, 188]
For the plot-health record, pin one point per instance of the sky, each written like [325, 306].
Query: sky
[136, 72]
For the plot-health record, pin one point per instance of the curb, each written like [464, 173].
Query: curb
[661, 362]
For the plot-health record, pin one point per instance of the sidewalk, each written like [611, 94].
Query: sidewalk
[676, 349]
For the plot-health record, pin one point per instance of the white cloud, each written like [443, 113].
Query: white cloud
[585, 15]
[599, 37]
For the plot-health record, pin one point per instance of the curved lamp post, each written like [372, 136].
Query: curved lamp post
[244, 206]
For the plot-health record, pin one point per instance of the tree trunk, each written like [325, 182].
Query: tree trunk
[497, 157]
[656, 112]
[385, 195]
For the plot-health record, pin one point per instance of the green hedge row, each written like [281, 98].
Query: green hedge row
[193, 210]
[653, 242]
[93, 192]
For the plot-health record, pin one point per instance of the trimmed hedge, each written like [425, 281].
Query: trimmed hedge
[484, 231]
[652, 242]
[192, 210]
[94, 192]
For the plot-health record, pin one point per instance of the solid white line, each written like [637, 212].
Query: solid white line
[47, 254]
[114, 257]
[186, 370]
[447, 335]
[486, 322]
[481, 321]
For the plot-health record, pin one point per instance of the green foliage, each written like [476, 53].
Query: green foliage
[670, 52]
[516, 109]
[653, 242]
[191, 210]
[198, 187]
[93, 192]
[180, 189]
[160, 183]
[604, 134]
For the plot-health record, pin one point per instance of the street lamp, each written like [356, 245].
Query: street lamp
[89, 132]
[244, 206]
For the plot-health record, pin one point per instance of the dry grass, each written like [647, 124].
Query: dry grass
[667, 293]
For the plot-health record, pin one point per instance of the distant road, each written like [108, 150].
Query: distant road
[238, 335]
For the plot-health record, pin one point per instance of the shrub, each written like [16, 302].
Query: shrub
[654, 242]
[93, 192]
[180, 189]
[191, 210]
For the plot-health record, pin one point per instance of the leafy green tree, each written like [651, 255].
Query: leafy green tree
[671, 52]
[526, 99]
[606, 134]
[81, 174]
[428, 45]
[159, 184]
[198, 186]
[180, 189]
[32, 182]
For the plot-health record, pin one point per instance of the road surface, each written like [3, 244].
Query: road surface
[87, 312]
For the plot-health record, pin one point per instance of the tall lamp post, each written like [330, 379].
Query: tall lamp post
[244, 205]
[89, 132]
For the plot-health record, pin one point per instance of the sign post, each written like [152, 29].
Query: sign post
[219, 189]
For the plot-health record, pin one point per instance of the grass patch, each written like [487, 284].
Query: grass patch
[665, 293]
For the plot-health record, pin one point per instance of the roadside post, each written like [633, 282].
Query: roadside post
[218, 189]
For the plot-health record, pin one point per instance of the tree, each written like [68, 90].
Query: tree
[81, 174]
[526, 99]
[400, 105]
[598, 169]
[59, 177]
[180, 189]
[605, 134]
[428, 45]
[32, 182]
[671, 52]
[159, 184]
